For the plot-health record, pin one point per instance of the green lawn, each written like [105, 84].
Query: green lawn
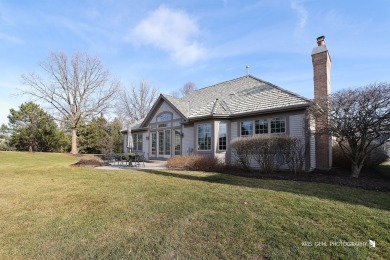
[49, 210]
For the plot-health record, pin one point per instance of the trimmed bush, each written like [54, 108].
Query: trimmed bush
[269, 152]
[294, 152]
[241, 151]
[195, 163]
[264, 149]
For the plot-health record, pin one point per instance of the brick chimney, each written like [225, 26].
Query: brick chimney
[321, 67]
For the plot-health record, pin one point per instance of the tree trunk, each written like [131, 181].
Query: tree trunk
[74, 142]
[356, 169]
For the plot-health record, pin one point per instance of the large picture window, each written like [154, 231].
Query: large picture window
[276, 125]
[204, 137]
[222, 135]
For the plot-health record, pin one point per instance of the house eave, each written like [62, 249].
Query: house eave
[251, 113]
[141, 129]
[162, 98]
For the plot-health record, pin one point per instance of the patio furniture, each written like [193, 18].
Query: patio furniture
[139, 157]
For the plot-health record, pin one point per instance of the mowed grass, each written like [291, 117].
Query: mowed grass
[49, 210]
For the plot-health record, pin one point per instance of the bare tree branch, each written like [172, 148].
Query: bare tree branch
[359, 120]
[135, 103]
[75, 89]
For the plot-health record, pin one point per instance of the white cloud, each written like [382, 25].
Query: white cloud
[173, 31]
[303, 14]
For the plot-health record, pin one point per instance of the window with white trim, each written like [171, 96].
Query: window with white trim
[222, 136]
[204, 137]
[246, 128]
[261, 126]
[137, 141]
[276, 125]
[164, 117]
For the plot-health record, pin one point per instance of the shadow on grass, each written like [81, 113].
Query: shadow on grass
[384, 169]
[349, 195]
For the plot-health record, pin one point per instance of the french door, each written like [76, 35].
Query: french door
[166, 143]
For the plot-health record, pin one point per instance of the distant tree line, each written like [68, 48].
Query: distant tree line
[79, 90]
[31, 128]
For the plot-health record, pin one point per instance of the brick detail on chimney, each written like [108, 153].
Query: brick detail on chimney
[321, 67]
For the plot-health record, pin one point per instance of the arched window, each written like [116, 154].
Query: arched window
[164, 117]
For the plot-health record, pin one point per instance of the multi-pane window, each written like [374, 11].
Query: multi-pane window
[164, 142]
[177, 140]
[137, 141]
[161, 142]
[154, 143]
[222, 133]
[204, 137]
[261, 126]
[278, 125]
[246, 128]
[167, 142]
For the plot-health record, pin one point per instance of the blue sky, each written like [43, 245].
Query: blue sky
[169, 43]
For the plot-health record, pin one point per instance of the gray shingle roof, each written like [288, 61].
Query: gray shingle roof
[234, 97]
[242, 95]
[180, 104]
[134, 125]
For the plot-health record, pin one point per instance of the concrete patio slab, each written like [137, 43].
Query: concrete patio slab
[155, 165]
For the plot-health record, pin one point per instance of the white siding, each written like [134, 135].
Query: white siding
[297, 129]
[312, 145]
[296, 126]
[233, 134]
[188, 140]
[234, 130]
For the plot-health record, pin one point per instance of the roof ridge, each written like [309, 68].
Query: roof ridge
[223, 82]
[169, 95]
[280, 88]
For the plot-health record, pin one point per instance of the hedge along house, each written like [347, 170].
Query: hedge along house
[206, 120]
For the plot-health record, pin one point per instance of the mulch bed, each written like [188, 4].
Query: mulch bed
[89, 163]
[369, 179]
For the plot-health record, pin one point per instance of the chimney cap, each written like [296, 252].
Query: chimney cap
[247, 70]
[321, 40]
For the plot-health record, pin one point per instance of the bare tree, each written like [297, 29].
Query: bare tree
[185, 90]
[135, 103]
[76, 89]
[358, 119]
